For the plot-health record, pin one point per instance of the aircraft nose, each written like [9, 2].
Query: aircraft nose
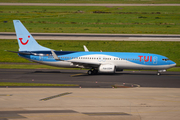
[172, 63]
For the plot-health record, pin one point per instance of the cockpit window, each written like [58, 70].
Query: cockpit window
[165, 59]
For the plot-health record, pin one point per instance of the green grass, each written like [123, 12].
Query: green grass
[89, 19]
[36, 84]
[94, 1]
[174, 69]
[168, 49]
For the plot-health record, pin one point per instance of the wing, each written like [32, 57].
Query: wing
[78, 64]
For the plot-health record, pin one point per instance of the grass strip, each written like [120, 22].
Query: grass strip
[36, 84]
[95, 1]
[174, 69]
[93, 19]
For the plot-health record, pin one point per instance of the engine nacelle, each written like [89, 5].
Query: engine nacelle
[107, 68]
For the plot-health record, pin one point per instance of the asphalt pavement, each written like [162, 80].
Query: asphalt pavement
[80, 77]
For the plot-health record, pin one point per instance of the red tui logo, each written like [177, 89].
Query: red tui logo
[23, 42]
[145, 59]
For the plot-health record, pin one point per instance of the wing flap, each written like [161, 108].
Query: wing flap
[77, 64]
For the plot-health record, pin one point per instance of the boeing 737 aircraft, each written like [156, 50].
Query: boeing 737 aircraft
[96, 62]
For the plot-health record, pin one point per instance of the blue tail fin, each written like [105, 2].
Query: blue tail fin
[25, 40]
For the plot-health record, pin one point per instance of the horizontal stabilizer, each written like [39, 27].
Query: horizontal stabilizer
[23, 53]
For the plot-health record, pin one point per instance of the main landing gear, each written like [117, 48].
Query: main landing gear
[92, 72]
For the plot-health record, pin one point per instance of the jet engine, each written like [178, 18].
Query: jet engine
[107, 68]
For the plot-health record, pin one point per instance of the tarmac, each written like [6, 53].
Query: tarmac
[90, 103]
[80, 77]
[151, 97]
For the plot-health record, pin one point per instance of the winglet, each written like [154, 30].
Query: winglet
[85, 48]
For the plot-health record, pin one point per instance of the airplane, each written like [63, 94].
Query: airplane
[96, 62]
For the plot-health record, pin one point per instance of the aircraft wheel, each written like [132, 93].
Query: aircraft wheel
[89, 72]
[158, 73]
[95, 72]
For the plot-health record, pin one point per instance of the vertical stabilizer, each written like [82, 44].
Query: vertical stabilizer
[25, 40]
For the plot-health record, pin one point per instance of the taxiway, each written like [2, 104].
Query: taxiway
[80, 77]
[90, 103]
[154, 97]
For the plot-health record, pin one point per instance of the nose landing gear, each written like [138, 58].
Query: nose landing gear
[159, 72]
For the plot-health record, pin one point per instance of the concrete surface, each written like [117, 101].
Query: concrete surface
[90, 103]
